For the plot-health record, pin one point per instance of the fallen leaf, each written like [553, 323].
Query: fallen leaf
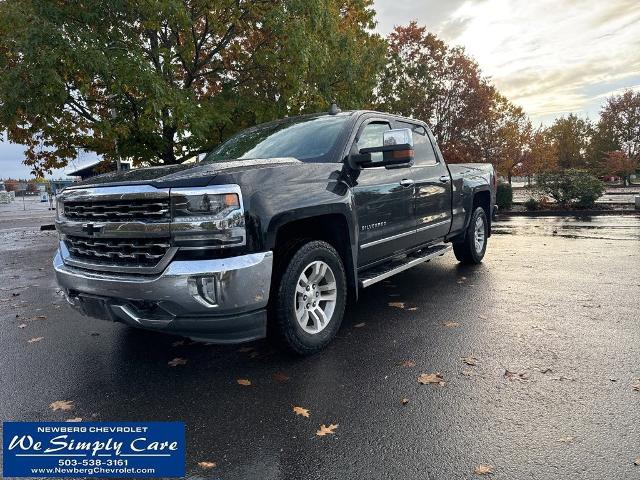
[429, 378]
[471, 361]
[15, 294]
[546, 370]
[636, 386]
[22, 325]
[483, 469]
[244, 381]
[324, 430]
[40, 317]
[396, 304]
[301, 411]
[61, 405]
[359, 325]
[245, 349]
[467, 372]
[516, 375]
[76, 419]
[567, 439]
[207, 465]
[404, 401]
[451, 324]
[412, 309]
[280, 377]
[408, 363]
[637, 462]
[177, 361]
[34, 340]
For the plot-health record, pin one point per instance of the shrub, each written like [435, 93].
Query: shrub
[571, 187]
[504, 196]
[532, 204]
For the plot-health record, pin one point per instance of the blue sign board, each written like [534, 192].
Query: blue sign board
[93, 449]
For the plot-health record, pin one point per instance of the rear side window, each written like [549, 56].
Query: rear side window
[424, 153]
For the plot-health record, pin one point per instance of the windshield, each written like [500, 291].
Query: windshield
[303, 138]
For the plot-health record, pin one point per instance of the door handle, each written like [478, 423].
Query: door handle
[444, 179]
[406, 182]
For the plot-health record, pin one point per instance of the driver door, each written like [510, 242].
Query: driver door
[384, 201]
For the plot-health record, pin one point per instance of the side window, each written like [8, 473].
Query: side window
[371, 136]
[422, 147]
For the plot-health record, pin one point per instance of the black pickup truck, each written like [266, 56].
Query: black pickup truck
[276, 227]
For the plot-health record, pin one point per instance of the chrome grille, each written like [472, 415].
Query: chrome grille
[130, 252]
[118, 211]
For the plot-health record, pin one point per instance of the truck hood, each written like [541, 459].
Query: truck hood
[199, 174]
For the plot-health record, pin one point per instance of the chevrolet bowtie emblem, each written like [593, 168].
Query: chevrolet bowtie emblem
[92, 229]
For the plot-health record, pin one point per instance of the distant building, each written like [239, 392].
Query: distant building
[98, 168]
[59, 184]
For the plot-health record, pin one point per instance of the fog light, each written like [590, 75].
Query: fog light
[204, 290]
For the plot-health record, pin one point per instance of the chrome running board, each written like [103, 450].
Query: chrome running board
[387, 270]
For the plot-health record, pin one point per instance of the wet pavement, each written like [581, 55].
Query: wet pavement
[611, 196]
[550, 317]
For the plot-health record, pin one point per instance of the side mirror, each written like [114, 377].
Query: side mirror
[397, 151]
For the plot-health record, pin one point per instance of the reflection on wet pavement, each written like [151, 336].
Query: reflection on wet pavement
[606, 227]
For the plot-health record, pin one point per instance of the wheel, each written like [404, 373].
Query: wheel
[311, 297]
[472, 249]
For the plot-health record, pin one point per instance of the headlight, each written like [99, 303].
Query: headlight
[59, 207]
[207, 217]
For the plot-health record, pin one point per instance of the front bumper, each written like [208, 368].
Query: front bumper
[234, 310]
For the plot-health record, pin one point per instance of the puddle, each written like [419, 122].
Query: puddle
[612, 228]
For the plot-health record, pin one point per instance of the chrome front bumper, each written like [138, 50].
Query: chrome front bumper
[232, 309]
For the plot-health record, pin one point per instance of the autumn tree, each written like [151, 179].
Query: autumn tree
[505, 136]
[571, 135]
[160, 82]
[541, 155]
[619, 164]
[616, 139]
[426, 79]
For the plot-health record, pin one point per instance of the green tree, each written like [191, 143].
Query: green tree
[159, 82]
[571, 136]
[571, 187]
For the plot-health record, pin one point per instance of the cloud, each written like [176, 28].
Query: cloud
[544, 55]
[427, 12]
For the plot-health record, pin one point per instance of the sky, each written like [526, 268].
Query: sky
[551, 57]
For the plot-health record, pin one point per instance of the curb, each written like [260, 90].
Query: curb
[568, 213]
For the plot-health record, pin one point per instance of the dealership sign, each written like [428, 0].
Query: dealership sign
[93, 449]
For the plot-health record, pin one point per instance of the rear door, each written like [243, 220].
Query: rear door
[383, 199]
[432, 187]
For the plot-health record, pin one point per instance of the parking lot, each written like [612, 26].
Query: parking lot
[538, 349]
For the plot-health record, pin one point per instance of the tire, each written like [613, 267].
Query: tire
[468, 251]
[308, 330]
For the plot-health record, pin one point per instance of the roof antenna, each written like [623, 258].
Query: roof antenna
[334, 110]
